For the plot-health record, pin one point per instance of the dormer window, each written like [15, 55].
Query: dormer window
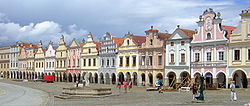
[127, 42]
[89, 50]
[208, 36]
[151, 41]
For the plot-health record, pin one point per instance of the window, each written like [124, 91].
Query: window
[150, 60]
[208, 36]
[182, 58]
[69, 63]
[113, 62]
[127, 61]
[102, 62]
[73, 62]
[182, 43]
[159, 60]
[53, 64]
[89, 62]
[143, 60]
[208, 56]
[221, 55]
[197, 57]
[94, 62]
[151, 41]
[121, 61]
[172, 58]
[61, 54]
[236, 54]
[248, 54]
[172, 43]
[127, 42]
[78, 62]
[89, 50]
[134, 61]
[107, 62]
[84, 62]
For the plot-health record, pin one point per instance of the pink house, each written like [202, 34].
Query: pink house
[209, 51]
[73, 60]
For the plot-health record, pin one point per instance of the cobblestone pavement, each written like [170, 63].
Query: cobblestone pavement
[14, 95]
[138, 96]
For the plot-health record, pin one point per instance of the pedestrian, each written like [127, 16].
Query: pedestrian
[195, 89]
[233, 91]
[125, 84]
[119, 85]
[77, 82]
[129, 84]
[158, 84]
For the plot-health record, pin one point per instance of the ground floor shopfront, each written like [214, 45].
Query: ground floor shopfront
[180, 76]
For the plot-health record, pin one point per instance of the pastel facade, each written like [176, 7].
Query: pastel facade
[151, 57]
[73, 60]
[178, 57]
[128, 58]
[4, 61]
[209, 51]
[39, 59]
[14, 54]
[108, 58]
[50, 59]
[89, 59]
[239, 52]
[61, 56]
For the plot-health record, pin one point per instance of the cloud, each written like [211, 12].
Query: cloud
[29, 18]
[45, 31]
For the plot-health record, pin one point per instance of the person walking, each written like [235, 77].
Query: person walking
[195, 89]
[233, 91]
[125, 84]
[158, 84]
[129, 84]
[119, 85]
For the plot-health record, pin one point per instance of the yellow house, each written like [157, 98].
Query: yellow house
[4, 61]
[89, 59]
[128, 58]
[30, 60]
[239, 52]
[39, 59]
[61, 55]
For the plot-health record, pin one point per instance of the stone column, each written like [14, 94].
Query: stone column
[110, 80]
[215, 82]
[166, 84]
[248, 82]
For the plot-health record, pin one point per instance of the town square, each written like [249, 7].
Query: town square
[202, 61]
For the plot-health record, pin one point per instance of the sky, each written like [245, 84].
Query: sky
[34, 20]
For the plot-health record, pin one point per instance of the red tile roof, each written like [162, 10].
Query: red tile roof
[28, 45]
[229, 30]
[139, 39]
[82, 44]
[163, 36]
[151, 30]
[98, 44]
[188, 32]
[118, 41]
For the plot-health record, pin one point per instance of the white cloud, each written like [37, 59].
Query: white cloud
[45, 31]
[3, 18]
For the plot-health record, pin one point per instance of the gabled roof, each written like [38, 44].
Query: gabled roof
[163, 36]
[82, 44]
[118, 41]
[138, 39]
[229, 30]
[151, 30]
[98, 44]
[28, 45]
[188, 32]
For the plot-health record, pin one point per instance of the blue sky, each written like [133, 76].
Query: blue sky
[34, 20]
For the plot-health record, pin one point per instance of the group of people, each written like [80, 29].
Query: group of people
[233, 96]
[126, 84]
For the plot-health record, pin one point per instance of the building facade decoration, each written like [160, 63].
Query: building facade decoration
[128, 58]
[14, 54]
[239, 52]
[178, 57]
[39, 59]
[61, 55]
[89, 59]
[209, 51]
[50, 60]
[108, 58]
[151, 57]
[73, 61]
[5, 61]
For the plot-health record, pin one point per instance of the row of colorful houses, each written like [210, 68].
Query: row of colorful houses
[218, 52]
